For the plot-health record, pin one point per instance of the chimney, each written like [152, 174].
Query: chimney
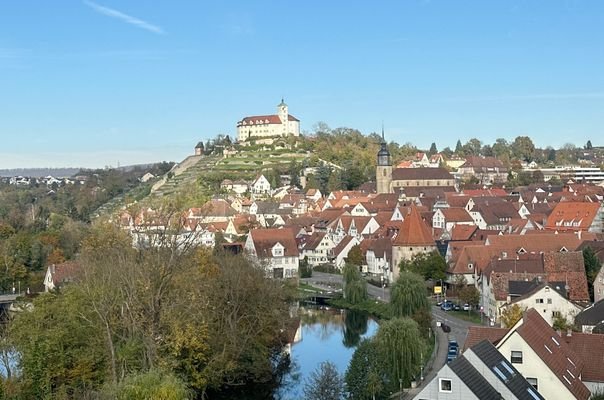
[569, 332]
[559, 332]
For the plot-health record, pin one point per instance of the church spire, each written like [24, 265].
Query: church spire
[383, 140]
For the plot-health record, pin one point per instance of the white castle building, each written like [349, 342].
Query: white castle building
[260, 126]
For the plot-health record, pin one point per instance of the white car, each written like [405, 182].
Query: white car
[466, 307]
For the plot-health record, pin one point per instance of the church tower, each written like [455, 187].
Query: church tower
[383, 172]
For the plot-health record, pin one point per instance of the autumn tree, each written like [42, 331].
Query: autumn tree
[470, 295]
[355, 256]
[60, 351]
[511, 315]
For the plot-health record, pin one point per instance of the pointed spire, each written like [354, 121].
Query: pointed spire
[383, 140]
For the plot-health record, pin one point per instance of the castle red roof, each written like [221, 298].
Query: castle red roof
[264, 119]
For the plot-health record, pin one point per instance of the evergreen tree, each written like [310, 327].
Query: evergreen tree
[433, 149]
[592, 267]
[588, 145]
[458, 148]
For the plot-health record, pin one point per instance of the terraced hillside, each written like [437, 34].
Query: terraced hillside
[258, 161]
[201, 165]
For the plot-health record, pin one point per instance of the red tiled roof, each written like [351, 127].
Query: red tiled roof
[265, 239]
[478, 162]
[536, 243]
[65, 272]
[572, 216]
[560, 358]
[263, 119]
[402, 174]
[590, 348]
[455, 214]
[462, 232]
[477, 334]
[414, 231]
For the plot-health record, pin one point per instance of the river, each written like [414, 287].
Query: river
[324, 334]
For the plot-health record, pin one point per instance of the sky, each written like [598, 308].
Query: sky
[108, 82]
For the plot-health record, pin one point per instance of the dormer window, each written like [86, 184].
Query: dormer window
[470, 266]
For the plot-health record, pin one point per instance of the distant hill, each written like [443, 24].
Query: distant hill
[39, 172]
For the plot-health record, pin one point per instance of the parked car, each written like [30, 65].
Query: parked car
[445, 328]
[466, 307]
[453, 344]
[446, 305]
[456, 307]
[451, 355]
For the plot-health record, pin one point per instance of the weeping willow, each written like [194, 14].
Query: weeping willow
[355, 287]
[408, 295]
[401, 346]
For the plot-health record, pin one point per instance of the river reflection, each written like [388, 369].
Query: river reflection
[324, 334]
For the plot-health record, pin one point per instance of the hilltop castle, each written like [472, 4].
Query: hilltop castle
[261, 126]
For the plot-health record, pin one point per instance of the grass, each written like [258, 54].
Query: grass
[376, 308]
[473, 316]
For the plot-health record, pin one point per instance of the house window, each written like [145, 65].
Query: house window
[516, 357]
[533, 382]
[549, 301]
[445, 385]
[539, 301]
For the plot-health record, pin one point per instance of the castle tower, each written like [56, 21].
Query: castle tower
[283, 114]
[383, 171]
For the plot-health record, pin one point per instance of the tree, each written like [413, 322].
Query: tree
[429, 265]
[560, 323]
[305, 268]
[408, 295]
[472, 147]
[458, 148]
[470, 295]
[155, 384]
[59, 350]
[511, 314]
[523, 148]
[592, 267]
[355, 256]
[355, 287]
[433, 150]
[324, 383]
[401, 347]
[588, 145]
[366, 376]
[501, 148]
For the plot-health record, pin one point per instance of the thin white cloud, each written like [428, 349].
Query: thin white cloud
[110, 12]
[543, 96]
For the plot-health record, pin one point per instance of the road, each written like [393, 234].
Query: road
[327, 281]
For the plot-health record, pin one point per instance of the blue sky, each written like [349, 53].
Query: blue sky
[91, 84]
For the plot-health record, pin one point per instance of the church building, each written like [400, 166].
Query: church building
[262, 126]
[389, 180]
